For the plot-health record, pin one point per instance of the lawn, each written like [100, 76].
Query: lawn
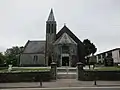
[115, 68]
[109, 68]
[24, 69]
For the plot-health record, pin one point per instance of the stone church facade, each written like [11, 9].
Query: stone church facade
[63, 47]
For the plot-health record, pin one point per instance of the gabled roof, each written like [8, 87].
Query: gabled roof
[65, 39]
[66, 30]
[51, 16]
[35, 47]
[80, 46]
[108, 51]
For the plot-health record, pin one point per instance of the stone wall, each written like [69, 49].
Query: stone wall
[90, 75]
[28, 59]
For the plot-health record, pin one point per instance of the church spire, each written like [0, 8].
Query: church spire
[51, 16]
[50, 37]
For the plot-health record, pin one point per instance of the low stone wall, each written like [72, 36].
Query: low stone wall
[99, 75]
[25, 76]
[90, 75]
[32, 76]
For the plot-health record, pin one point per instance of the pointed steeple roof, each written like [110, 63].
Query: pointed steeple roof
[51, 16]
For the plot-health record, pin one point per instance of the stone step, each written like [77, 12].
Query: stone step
[66, 76]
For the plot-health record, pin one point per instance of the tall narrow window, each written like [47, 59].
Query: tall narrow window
[48, 28]
[35, 59]
[119, 53]
[103, 55]
[49, 60]
[99, 56]
[52, 27]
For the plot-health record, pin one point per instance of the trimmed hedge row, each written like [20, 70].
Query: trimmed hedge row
[100, 75]
[25, 76]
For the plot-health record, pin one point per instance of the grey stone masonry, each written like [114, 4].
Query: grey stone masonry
[79, 70]
[54, 70]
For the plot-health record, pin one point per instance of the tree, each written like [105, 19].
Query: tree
[93, 49]
[90, 49]
[12, 55]
[2, 59]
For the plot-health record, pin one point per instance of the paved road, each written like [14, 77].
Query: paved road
[60, 83]
[69, 88]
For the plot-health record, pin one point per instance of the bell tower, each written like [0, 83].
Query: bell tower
[50, 37]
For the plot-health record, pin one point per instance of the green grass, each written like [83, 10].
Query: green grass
[117, 68]
[2, 68]
[17, 69]
[109, 68]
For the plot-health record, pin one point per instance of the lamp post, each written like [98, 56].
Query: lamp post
[93, 62]
[95, 76]
[95, 83]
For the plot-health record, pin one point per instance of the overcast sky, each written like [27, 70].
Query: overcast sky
[97, 20]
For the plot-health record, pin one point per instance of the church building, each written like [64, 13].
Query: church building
[63, 47]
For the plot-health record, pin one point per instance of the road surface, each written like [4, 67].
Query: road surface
[69, 88]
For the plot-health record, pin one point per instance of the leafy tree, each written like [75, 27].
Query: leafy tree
[93, 49]
[90, 50]
[12, 55]
[2, 58]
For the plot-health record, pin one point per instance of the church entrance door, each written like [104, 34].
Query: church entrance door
[65, 61]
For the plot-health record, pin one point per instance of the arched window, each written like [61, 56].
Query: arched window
[52, 28]
[48, 28]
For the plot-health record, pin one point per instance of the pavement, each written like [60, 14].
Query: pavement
[69, 88]
[64, 83]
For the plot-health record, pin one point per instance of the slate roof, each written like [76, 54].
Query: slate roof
[66, 30]
[34, 47]
[51, 16]
[108, 51]
[65, 39]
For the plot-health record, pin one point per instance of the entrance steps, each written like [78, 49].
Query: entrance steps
[66, 73]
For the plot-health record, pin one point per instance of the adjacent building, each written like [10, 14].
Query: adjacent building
[115, 54]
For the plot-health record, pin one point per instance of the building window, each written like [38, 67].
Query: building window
[35, 59]
[119, 53]
[110, 54]
[48, 28]
[52, 27]
[103, 55]
[99, 56]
